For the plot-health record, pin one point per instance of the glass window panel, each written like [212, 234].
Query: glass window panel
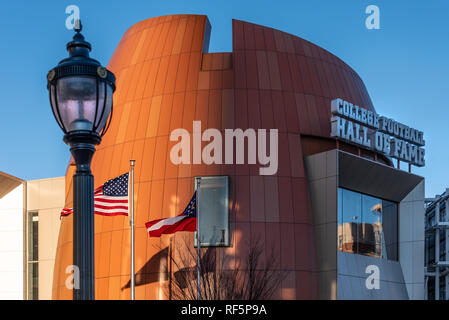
[33, 256]
[370, 243]
[443, 211]
[442, 288]
[367, 225]
[390, 230]
[340, 220]
[33, 281]
[431, 288]
[213, 208]
[350, 220]
[33, 236]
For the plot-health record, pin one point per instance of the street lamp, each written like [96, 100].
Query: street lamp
[81, 100]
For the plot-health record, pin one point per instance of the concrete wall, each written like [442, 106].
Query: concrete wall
[322, 177]
[352, 277]
[12, 245]
[411, 241]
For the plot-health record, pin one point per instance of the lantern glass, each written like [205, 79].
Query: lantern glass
[77, 102]
[54, 105]
[104, 105]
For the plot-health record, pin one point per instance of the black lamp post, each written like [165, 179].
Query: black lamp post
[81, 99]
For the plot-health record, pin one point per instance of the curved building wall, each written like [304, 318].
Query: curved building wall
[166, 80]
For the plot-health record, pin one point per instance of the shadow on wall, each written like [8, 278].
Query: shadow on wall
[149, 273]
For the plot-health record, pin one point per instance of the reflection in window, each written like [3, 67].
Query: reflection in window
[367, 225]
[213, 210]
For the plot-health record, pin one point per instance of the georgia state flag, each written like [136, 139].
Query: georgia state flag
[186, 221]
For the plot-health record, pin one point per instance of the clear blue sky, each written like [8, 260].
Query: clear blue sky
[405, 65]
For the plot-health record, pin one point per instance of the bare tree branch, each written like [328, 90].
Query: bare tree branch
[254, 281]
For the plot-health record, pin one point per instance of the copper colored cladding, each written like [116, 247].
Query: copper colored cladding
[164, 81]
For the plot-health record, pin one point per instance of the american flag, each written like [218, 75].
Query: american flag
[110, 199]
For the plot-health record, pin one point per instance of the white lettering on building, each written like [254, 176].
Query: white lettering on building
[363, 127]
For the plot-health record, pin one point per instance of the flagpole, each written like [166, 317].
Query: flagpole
[131, 222]
[198, 246]
[170, 269]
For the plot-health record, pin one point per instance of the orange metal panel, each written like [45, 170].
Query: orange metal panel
[170, 38]
[142, 122]
[171, 74]
[161, 76]
[215, 79]
[143, 204]
[177, 111]
[273, 67]
[157, 194]
[165, 115]
[116, 249]
[148, 160]
[181, 77]
[160, 158]
[179, 37]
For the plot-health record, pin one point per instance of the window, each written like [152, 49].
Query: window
[430, 219]
[213, 207]
[431, 288]
[442, 288]
[443, 211]
[430, 246]
[33, 256]
[442, 245]
[367, 225]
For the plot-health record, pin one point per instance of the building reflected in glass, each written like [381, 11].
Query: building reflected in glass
[367, 225]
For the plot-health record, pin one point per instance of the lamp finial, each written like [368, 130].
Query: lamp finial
[78, 26]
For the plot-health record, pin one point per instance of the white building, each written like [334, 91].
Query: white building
[29, 230]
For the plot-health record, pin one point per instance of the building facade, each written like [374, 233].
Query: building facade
[167, 80]
[436, 257]
[12, 238]
[29, 211]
